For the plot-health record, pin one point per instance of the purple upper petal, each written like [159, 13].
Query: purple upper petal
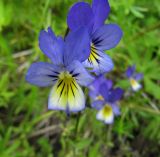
[95, 87]
[115, 95]
[130, 71]
[51, 34]
[107, 36]
[80, 15]
[97, 82]
[138, 76]
[101, 11]
[93, 93]
[51, 46]
[42, 74]
[109, 84]
[77, 46]
[104, 91]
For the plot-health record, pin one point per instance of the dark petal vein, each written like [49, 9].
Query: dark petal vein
[54, 76]
[62, 89]
[75, 75]
[74, 85]
[72, 90]
[60, 83]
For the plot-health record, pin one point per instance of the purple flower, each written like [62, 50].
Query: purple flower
[105, 98]
[65, 73]
[134, 77]
[103, 36]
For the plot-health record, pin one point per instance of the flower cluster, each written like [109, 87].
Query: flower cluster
[79, 60]
[105, 99]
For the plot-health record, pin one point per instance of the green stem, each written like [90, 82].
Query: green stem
[76, 130]
[77, 123]
[147, 109]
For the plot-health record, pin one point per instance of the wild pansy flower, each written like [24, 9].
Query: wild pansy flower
[103, 36]
[134, 77]
[65, 73]
[105, 98]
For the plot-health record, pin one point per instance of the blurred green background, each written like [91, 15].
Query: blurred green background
[28, 129]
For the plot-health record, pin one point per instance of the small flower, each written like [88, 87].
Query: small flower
[103, 36]
[105, 98]
[65, 73]
[134, 78]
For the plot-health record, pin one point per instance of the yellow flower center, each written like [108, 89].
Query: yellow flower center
[99, 97]
[66, 77]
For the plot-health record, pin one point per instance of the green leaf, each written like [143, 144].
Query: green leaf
[137, 12]
[94, 150]
[152, 88]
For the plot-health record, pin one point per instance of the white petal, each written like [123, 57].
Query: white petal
[135, 85]
[106, 114]
[109, 119]
[76, 99]
[57, 98]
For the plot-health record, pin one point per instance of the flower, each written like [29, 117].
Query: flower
[65, 73]
[104, 99]
[134, 78]
[103, 36]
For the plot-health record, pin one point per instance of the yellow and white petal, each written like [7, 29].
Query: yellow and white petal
[57, 98]
[135, 85]
[66, 94]
[106, 114]
[76, 98]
